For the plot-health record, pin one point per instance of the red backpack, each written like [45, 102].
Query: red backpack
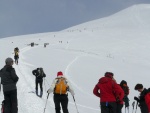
[147, 100]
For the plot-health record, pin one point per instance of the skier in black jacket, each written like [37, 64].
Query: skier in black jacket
[39, 74]
[9, 80]
[143, 99]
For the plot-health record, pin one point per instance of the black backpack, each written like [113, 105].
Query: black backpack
[40, 73]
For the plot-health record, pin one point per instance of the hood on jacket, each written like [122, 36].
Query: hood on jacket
[104, 80]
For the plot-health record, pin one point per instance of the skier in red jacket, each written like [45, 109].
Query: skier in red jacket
[109, 93]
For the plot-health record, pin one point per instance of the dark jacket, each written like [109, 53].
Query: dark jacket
[107, 89]
[8, 78]
[38, 75]
[143, 101]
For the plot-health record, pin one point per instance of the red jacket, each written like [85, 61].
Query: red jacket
[120, 95]
[107, 89]
[147, 100]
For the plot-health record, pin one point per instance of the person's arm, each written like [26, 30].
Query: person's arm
[44, 75]
[120, 92]
[96, 91]
[34, 72]
[51, 89]
[14, 75]
[0, 72]
[70, 89]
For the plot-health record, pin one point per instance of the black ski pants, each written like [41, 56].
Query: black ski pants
[63, 100]
[119, 108]
[11, 104]
[108, 107]
[40, 82]
[16, 59]
[143, 107]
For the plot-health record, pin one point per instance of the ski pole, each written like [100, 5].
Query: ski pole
[128, 109]
[75, 104]
[46, 102]
[133, 106]
[136, 106]
[44, 85]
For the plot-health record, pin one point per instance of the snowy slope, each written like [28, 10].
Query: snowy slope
[118, 43]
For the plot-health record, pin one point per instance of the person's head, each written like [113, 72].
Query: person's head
[9, 61]
[109, 74]
[59, 74]
[139, 87]
[123, 83]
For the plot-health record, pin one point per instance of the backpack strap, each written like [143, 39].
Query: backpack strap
[0, 85]
[61, 78]
[0, 80]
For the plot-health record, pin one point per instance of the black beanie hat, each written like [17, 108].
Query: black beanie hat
[138, 86]
[109, 74]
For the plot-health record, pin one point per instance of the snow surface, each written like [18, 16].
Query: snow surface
[118, 43]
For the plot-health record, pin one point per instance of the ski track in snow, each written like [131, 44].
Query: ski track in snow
[75, 85]
[30, 102]
[26, 86]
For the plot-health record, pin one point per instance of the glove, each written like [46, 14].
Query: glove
[72, 92]
[49, 91]
[136, 98]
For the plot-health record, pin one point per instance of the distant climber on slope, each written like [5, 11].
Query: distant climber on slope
[16, 55]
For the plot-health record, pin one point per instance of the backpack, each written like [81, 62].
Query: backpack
[40, 71]
[2, 107]
[147, 97]
[61, 86]
[16, 51]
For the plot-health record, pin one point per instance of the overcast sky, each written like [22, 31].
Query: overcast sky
[19, 17]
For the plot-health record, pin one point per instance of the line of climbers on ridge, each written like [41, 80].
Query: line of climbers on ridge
[112, 95]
